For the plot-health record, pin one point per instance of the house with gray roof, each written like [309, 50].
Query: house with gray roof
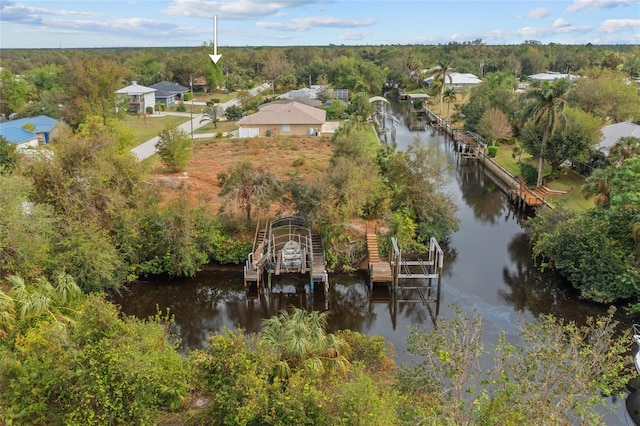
[551, 75]
[613, 132]
[140, 97]
[458, 80]
[168, 92]
[28, 132]
[291, 118]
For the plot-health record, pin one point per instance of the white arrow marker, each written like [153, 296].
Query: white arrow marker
[215, 57]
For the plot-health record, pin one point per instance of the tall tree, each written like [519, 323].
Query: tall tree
[494, 125]
[14, 92]
[248, 186]
[91, 85]
[546, 108]
[441, 73]
[449, 95]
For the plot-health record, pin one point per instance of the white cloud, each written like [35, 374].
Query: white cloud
[561, 23]
[611, 26]
[540, 12]
[20, 13]
[598, 4]
[354, 35]
[305, 24]
[236, 10]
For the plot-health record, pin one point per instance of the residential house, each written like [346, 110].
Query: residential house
[613, 132]
[140, 97]
[168, 92]
[459, 81]
[312, 92]
[28, 132]
[551, 75]
[291, 118]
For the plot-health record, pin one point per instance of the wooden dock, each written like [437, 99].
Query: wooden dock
[285, 246]
[470, 145]
[379, 270]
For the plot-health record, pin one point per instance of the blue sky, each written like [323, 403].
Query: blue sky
[146, 23]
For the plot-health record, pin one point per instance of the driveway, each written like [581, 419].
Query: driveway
[148, 148]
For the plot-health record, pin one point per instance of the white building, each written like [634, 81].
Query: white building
[459, 81]
[140, 97]
[551, 75]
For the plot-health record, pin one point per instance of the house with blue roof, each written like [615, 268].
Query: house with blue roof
[28, 132]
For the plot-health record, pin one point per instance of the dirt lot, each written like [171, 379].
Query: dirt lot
[304, 156]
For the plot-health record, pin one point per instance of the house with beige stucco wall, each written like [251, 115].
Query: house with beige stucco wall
[286, 119]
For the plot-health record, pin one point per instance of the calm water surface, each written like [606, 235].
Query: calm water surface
[488, 270]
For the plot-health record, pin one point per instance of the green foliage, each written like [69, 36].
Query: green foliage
[26, 229]
[573, 142]
[492, 150]
[233, 370]
[181, 107]
[372, 352]
[9, 156]
[249, 186]
[554, 373]
[234, 112]
[593, 250]
[606, 93]
[14, 92]
[179, 238]
[174, 148]
[416, 180]
[212, 113]
[359, 107]
[89, 88]
[301, 344]
[597, 251]
[529, 173]
[545, 109]
[95, 369]
[86, 252]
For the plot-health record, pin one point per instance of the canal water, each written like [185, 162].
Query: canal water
[488, 270]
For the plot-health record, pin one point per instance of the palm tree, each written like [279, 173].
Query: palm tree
[414, 66]
[440, 73]
[23, 302]
[300, 342]
[599, 185]
[449, 95]
[212, 114]
[546, 108]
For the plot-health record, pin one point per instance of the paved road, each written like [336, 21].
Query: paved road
[148, 148]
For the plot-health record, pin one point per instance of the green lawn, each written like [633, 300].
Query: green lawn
[147, 127]
[223, 126]
[570, 181]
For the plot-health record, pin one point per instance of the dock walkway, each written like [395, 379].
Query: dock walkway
[379, 270]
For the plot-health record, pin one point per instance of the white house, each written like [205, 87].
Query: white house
[457, 80]
[613, 132]
[551, 75]
[140, 97]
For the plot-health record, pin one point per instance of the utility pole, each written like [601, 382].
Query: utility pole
[191, 86]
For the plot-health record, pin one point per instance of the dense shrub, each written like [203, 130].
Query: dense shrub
[492, 150]
[529, 173]
[100, 369]
[174, 147]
